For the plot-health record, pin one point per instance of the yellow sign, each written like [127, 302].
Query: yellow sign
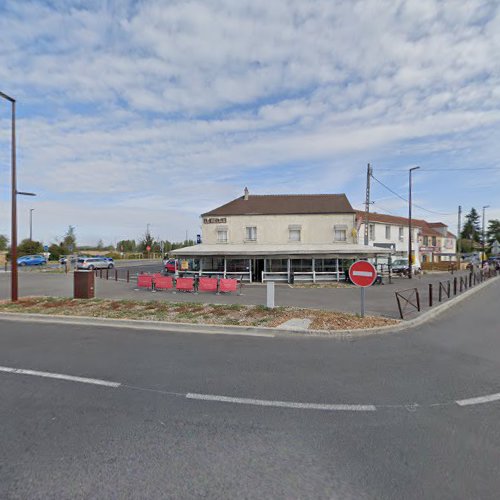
[184, 265]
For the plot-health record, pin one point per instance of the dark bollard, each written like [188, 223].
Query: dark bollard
[430, 294]
[128, 276]
[440, 293]
[448, 289]
[116, 274]
[107, 274]
[455, 285]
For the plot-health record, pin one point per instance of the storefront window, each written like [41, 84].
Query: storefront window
[277, 265]
[301, 265]
[237, 265]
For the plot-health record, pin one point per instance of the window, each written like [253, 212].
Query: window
[251, 233]
[294, 233]
[371, 232]
[434, 241]
[340, 233]
[387, 232]
[426, 241]
[221, 235]
[401, 234]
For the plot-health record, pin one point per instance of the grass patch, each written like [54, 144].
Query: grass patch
[186, 312]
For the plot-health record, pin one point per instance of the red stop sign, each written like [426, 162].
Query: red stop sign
[362, 273]
[148, 248]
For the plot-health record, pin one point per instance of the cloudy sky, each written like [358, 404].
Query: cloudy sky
[137, 112]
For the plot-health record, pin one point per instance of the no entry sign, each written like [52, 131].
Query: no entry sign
[362, 273]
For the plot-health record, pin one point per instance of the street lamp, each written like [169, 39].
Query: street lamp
[484, 255]
[31, 224]
[410, 263]
[15, 192]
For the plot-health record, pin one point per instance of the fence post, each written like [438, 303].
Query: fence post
[100, 273]
[116, 274]
[107, 274]
[128, 276]
[470, 280]
[440, 293]
[430, 294]
[449, 289]
[455, 285]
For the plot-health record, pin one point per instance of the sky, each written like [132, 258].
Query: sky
[132, 113]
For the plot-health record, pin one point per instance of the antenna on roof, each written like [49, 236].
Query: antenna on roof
[246, 193]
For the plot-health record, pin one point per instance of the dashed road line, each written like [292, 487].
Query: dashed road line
[479, 400]
[281, 404]
[59, 376]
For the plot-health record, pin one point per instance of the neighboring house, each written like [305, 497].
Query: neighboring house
[390, 231]
[437, 244]
[280, 238]
[431, 241]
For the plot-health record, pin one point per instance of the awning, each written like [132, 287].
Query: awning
[300, 250]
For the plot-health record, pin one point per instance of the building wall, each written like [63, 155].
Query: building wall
[274, 229]
[401, 245]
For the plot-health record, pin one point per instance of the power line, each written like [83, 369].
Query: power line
[448, 169]
[405, 200]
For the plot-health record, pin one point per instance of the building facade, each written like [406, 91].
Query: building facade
[279, 238]
[437, 244]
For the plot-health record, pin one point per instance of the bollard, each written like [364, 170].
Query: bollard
[107, 274]
[470, 280]
[270, 294]
[128, 276]
[430, 294]
[116, 274]
[440, 293]
[100, 273]
[448, 288]
[455, 285]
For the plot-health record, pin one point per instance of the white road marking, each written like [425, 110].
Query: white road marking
[479, 400]
[281, 404]
[367, 274]
[59, 376]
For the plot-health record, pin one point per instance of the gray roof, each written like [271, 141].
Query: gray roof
[283, 204]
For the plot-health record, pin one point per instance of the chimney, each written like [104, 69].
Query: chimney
[246, 193]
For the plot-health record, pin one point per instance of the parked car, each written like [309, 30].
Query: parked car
[400, 266]
[64, 259]
[31, 260]
[171, 265]
[91, 263]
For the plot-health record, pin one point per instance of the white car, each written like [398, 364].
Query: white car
[91, 263]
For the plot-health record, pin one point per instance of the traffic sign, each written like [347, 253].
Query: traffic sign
[45, 248]
[148, 248]
[362, 273]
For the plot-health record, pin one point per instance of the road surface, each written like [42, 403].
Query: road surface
[178, 415]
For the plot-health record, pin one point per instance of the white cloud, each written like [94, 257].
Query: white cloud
[129, 103]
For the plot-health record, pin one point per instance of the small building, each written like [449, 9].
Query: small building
[437, 244]
[279, 238]
[390, 231]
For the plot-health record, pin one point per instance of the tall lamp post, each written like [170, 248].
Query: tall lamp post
[31, 224]
[13, 238]
[410, 263]
[483, 236]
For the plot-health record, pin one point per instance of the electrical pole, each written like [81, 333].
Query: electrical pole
[459, 240]
[484, 249]
[31, 224]
[410, 263]
[367, 202]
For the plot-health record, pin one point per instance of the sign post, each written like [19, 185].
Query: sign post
[362, 274]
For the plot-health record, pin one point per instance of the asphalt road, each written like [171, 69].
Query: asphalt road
[403, 436]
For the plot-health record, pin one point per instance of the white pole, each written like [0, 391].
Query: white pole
[314, 269]
[270, 294]
[362, 301]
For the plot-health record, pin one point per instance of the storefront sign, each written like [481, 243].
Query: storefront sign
[214, 220]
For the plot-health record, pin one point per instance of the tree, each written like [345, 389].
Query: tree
[4, 241]
[69, 241]
[493, 231]
[126, 246]
[472, 228]
[100, 245]
[146, 241]
[55, 251]
[29, 247]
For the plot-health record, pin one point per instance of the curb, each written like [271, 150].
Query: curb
[244, 330]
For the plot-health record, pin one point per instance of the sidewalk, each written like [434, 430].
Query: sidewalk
[380, 299]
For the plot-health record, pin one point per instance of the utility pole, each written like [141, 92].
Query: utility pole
[459, 239]
[367, 202]
[31, 224]
[484, 242]
[410, 263]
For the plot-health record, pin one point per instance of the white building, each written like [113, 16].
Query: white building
[390, 231]
[279, 238]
